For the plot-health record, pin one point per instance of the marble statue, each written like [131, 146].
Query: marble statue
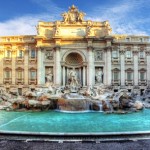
[73, 81]
[49, 76]
[98, 75]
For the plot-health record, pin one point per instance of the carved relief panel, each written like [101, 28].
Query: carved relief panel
[49, 55]
[98, 55]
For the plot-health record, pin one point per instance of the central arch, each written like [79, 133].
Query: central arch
[74, 59]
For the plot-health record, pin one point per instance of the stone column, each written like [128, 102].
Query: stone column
[40, 67]
[1, 66]
[122, 66]
[14, 65]
[109, 75]
[135, 59]
[148, 65]
[64, 76]
[57, 66]
[26, 65]
[105, 68]
[83, 75]
[90, 67]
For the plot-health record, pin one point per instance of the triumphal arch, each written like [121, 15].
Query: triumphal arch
[74, 43]
[74, 51]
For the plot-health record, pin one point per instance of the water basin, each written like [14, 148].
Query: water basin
[87, 122]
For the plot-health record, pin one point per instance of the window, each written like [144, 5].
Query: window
[129, 75]
[115, 54]
[141, 54]
[142, 75]
[20, 74]
[128, 54]
[33, 54]
[116, 76]
[8, 54]
[32, 74]
[8, 74]
[20, 54]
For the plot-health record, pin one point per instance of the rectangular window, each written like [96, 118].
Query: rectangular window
[115, 54]
[128, 54]
[142, 75]
[33, 54]
[8, 74]
[116, 76]
[129, 75]
[20, 75]
[8, 54]
[33, 75]
[21, 54]
[141, 54]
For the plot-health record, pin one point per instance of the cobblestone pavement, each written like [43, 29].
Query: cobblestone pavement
[39, 145]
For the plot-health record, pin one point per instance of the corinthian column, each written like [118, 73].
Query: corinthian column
[135, 58]
[26, 65]
[1, 66]
[90, 67]
[14, 65]
[148, 65]
[40, 67]
[108, 66]
[122, 66]
[57, 76]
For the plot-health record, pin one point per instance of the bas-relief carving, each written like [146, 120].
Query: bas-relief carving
[98, 55]
[49, 55]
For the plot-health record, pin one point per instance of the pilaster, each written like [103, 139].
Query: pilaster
[57, 69]
[40, 67]
[135, 59]
[26, 65]
[109, 75]
[14, 65]
[148, 64]
[122, 65]
[1, 66]
[90, 67]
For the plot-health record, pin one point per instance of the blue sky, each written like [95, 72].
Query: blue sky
[19, 17]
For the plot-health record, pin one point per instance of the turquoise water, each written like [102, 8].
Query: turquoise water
[52, 121]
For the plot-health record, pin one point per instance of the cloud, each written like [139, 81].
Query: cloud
[124, 17]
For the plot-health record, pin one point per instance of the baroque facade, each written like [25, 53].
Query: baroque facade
[87, 47]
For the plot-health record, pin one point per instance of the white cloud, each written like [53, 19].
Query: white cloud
[122, 17]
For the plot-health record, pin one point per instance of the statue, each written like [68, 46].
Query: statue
[49, 76]
[73, 78]
[65, 17]
[88, 30]
[81, 16]
[98, 76]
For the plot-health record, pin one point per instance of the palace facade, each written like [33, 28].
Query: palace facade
[29, 61]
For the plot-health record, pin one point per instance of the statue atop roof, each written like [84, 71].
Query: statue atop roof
[73, 15]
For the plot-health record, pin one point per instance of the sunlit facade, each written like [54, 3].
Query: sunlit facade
[84, 45]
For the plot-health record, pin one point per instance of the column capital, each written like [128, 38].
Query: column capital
[135, 52]
[147, 53]
[90, 48]
[122, 52]
[108, 48]
[56, 48]
[1, 51]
